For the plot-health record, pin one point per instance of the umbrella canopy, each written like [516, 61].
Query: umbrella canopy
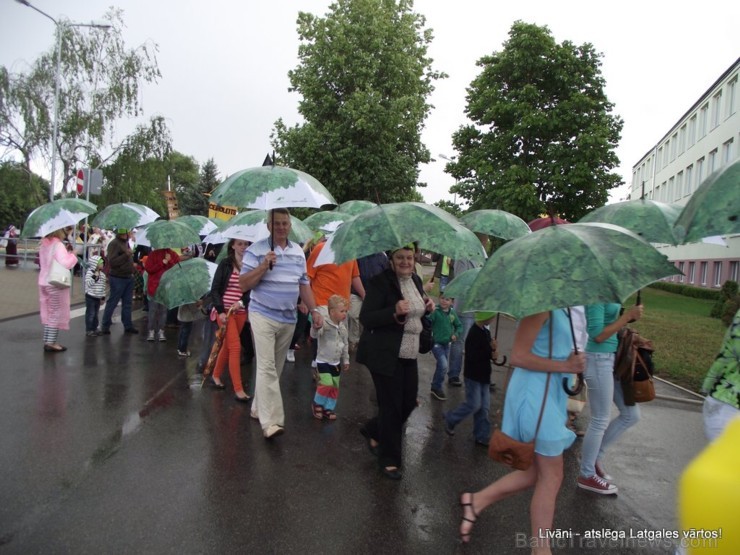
[355, 207]
[498, 223]
[326, 221]
[124, 215]
[166, 234]
[56, 215]
[266, 187]
[651, 220]
[459, 285]
[714, 208]
[185, 282]
[252, 226]
[390, 226]
[200, 224]
[545, 221]
[566, 265]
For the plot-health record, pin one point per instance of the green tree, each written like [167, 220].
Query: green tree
[193, 200]
[542, 136]
[20, 193]
[99, 84]
[364, 77]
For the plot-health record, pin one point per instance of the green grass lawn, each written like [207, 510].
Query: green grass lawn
[685, 338]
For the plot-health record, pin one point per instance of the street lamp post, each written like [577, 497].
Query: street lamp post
[57, 74]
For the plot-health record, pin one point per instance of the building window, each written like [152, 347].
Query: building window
[682, 140]
[716, 108]
[734, 270]
[699, 171]
[691, 271]
[703, 119]
[727, 152]
[731, 97]
[688, 185]
[680, 269]
[703, 273]
[692, 132]
[712, 162]
[659, 160]
[717, 274]
[679, 186]
[674, 146]
[670, 192]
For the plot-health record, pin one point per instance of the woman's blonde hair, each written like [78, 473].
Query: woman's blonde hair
[335, 301]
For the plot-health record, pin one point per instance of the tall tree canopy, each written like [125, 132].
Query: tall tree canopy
[99, 83]
[20, 193]
[543, 136]
[192, 197]
[364, 77]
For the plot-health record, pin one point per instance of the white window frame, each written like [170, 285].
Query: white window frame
[731, 97]
[680, 269]
[703, 272]
[703, 120]
[727, 149]
[734, 271]
[692, 271]
[717, 273]
[692, 131]
[716, 109]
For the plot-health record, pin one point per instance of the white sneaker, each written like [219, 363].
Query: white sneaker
[290, 357]
[161, 336]
[150, 337]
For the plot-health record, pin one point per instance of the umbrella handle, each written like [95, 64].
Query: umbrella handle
[501, 363]
[578, 388]
[495, 336]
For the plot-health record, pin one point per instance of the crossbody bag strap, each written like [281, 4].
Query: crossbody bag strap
[547, 383]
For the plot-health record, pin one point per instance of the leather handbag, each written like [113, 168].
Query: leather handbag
[59, 276]
[643, 387]
[518, 455]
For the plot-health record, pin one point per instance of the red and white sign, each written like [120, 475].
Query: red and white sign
[80, 181]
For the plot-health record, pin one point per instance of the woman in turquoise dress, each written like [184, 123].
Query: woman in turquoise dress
[530, 357]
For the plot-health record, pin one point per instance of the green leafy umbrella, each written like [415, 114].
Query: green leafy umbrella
[252, 226]
[390, 226]
[267, 187]
[497, 223]
[650, 219]
[563, 266]
[56, 215]
[459, 285]
[355, 207]
[126, 215]
[185, 282]
[166, 234]
[714, 208]
[326, 221]
[200, 224]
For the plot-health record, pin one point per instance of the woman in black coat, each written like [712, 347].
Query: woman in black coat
[391, 316]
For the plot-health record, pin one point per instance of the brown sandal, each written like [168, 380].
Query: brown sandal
[318, 411]
[330, 415]
[465, 537]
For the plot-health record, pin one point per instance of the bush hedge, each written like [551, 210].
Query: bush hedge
[687, 290]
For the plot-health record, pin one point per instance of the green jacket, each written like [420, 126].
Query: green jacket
[445, 325]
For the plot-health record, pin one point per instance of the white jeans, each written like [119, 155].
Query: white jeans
[716, 417]
[271, 342]
[354, 328]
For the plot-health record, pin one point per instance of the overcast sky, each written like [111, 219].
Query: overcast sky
[224, 64]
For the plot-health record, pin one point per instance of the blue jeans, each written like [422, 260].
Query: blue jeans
[184, 336]
[477, 402]
[441, 352]
[121, 289]
[443, 281]
[602, 390]
[92, 307]
[456, 350]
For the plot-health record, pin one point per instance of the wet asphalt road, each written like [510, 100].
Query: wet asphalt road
[106, 448]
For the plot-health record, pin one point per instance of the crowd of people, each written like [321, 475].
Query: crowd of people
[373, 307]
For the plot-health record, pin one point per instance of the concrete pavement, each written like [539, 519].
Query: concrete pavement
[108, 448]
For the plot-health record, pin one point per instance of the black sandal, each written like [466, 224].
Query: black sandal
[465, 538]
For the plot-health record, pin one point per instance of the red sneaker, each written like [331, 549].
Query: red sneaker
[597, 485]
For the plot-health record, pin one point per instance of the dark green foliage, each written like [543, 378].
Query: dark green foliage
[542, 136]
[686, 290]
[727, 303]
[364, 78]
[20, 193]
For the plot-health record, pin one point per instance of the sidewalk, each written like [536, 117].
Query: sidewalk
[19, 291]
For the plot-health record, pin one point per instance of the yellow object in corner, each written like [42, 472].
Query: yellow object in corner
[709, 497]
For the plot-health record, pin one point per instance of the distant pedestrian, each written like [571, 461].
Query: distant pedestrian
[121, 280]
[54, 301]
[96, 284]
[332, 357]
[480, 351]
[446, 330]
[157, 263]
[10, 241]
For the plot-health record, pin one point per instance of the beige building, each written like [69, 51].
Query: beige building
[703, 140]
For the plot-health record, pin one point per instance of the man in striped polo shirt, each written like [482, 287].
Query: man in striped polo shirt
[275, 272]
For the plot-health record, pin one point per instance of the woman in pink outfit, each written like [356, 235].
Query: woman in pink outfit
[54, 301]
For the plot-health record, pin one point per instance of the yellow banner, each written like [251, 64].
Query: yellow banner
[221, 212]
